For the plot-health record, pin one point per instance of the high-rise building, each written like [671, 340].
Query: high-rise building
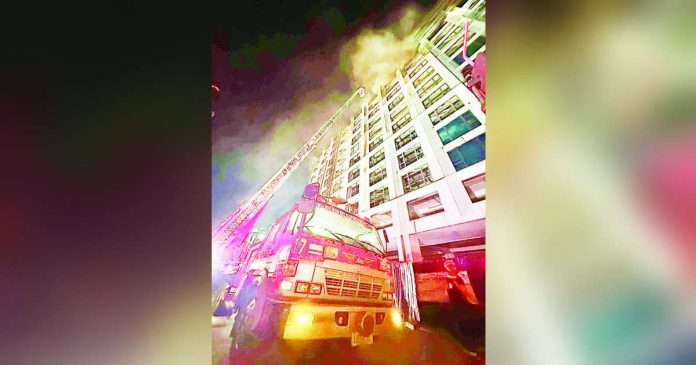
[412, 160]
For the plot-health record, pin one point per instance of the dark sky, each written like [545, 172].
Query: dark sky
[282, 72]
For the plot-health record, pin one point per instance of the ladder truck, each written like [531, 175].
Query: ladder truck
[229, 237]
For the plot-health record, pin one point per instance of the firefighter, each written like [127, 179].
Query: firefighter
[458, 283]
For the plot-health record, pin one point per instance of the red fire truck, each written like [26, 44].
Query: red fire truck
[320, 273]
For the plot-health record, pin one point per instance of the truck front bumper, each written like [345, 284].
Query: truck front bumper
[313, 321]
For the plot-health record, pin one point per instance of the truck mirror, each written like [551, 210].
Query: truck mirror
[311, 191]
[309, 199]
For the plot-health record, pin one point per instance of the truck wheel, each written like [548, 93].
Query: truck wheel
[247, 328]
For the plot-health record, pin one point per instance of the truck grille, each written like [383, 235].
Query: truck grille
[348, 284]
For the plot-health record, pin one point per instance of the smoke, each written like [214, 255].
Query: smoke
[375, 53]
[310, 89]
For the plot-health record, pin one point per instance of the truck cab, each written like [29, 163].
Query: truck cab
[324, 273]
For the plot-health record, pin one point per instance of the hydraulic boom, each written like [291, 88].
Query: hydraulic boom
[229, 234]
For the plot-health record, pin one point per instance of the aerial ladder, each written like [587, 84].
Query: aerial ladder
[228, 236]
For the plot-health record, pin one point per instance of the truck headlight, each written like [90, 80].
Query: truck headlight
[396, 318]
[285, 285]
[303, 319]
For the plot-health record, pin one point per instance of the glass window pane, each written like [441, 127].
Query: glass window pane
[458, 127]
[476, 188]
[382, 220]
[475, 45]
[424, 206]
[294, 222]
[469, 153]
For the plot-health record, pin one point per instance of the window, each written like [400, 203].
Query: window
[357, 116]
[377, 176]
[480, 12]
[375, 143]
[353, 174]
[410, 156]
[353, 208]
[426, 206]
[399, 114]
[416, 179]
[355, 139]
[446, 109]
[458, 127]
[416, 61]
[356, 129]
[373, 123]
[418, 68]
[405, 138]
[451, 36]
[456, 47]
[374, 133]
[401, 122]
[382, 220]
[353, 190]
[391, 90]
[293, 222]
[356, 124]
[435, 80]
[379, 196]
[469, 153]
[444, 31]
[353, 161]
[377, 158]
[436, 31]
[473, 47]
[355, 149]
[392, 93]
[395, 102]
[373, 112]
[423, 77]
[476, 188]
[435, 96]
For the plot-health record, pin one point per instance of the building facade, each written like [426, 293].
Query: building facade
[412, 160]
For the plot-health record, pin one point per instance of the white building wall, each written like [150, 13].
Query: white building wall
[446, 182]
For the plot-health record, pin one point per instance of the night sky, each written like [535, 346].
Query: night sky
[283, 70]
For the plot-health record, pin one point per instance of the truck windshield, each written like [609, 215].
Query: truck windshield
[334, 224]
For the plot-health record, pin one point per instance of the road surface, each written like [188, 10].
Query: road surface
[422, 346]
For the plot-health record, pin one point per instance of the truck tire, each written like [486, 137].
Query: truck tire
[248, 328]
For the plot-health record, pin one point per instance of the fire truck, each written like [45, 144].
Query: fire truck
[320, 273]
